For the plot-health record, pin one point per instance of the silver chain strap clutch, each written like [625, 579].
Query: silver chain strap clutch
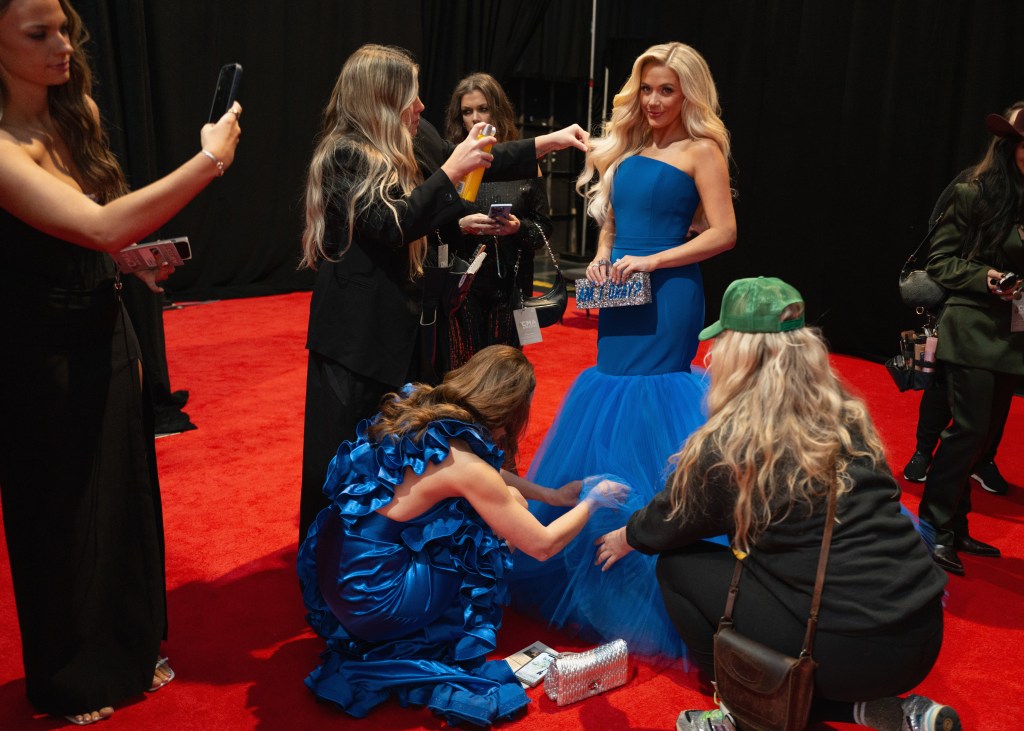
[578, 675]
[636, 290]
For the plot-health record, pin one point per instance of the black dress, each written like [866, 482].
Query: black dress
[485, 318]
[81, 502]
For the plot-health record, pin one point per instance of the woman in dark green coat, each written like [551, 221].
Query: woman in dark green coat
[981, 330]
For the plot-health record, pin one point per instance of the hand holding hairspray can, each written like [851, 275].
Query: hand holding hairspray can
[468, 187]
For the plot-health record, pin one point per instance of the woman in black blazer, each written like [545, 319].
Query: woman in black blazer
[369, 209]
[981, 331]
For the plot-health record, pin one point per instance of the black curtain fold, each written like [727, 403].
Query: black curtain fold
[465, 36]
[848, 117]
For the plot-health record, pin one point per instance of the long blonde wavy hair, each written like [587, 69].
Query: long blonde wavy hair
[99, 173]
[627, 133]
[781, 428]
[364, 117]
[493, 388]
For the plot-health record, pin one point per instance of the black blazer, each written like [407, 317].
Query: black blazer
[365, 311]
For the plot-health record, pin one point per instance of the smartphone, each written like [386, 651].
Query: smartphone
[1009, 281]
[228, 80]
[151, 254]
[534, 671]
[500, 210]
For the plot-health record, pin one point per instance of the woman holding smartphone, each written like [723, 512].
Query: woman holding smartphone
[509, 241]
[974, 254]
[78, 476]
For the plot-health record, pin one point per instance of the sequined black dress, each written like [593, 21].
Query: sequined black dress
[486, 316]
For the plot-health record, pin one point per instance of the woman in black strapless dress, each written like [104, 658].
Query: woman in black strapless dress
[81, 503]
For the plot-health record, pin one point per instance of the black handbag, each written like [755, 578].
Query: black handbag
[911, 369]
[764, 689]
[550, 306]
[917, 288]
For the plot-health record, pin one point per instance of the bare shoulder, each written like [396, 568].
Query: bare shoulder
[704, 152]
[464, 458]
[467, 471]
[9, 141]
[18, 153]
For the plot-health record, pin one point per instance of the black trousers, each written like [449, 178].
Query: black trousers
[934, 415]
[337, 399]
[979, 401]
[694, 582]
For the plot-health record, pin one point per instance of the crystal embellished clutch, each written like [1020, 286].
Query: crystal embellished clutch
[578, 675]
[636, 290]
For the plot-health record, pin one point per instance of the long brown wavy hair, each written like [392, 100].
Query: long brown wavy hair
[781, 428]
[503, 115]
[98, 171]
[494, 389]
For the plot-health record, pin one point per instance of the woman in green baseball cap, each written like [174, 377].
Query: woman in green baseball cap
[781, 431]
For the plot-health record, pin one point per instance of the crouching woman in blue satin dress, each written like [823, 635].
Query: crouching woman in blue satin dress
[405, 573]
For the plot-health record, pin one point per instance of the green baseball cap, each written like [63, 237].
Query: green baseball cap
[755, 306]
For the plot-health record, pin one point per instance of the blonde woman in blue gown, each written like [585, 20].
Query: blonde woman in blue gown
[657, 176]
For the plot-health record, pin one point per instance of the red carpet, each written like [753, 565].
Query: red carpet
[230, 489]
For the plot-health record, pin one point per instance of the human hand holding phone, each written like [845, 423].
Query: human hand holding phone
[224, 94]
[220, 135]
[499, 210]
[1003, 284]
[505, 224]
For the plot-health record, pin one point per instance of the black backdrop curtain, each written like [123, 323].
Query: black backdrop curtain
[848, 117]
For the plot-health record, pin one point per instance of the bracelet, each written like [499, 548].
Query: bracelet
[215, 160]
[597, 263]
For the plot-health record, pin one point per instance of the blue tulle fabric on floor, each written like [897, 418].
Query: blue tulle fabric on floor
[569, 590]
[627, 416]
[408, 609]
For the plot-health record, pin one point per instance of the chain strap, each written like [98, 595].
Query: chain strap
[554, 261]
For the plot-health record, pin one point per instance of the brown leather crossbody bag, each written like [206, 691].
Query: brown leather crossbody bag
[763, 689]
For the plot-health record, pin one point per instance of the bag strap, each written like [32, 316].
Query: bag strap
[940, 205]
[554, 261]
[909, 265]
[819, 579]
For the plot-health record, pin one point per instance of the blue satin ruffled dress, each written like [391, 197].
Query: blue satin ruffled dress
[626, 416]
[409, 609]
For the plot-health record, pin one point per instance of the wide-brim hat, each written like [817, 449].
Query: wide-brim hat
[1000, 126]
[756, 305]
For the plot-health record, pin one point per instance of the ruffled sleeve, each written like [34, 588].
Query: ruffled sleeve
[363, 476]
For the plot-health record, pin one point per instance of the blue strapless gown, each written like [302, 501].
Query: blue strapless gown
[625, 416]
[408, 609]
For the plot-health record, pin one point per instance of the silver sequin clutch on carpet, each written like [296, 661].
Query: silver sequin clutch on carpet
[636, 290]
[578, 675]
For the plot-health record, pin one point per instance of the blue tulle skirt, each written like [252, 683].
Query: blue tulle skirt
[629, 426]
